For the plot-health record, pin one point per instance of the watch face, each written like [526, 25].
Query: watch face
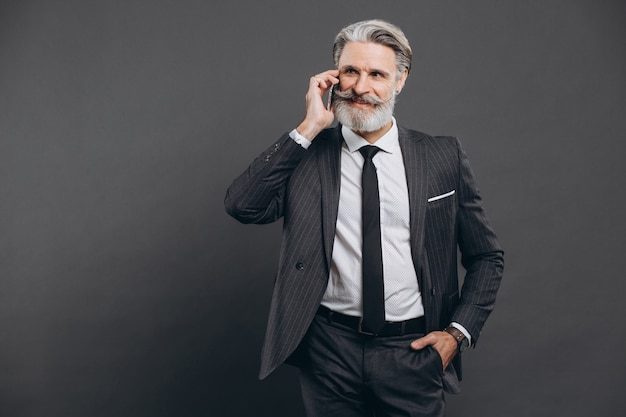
[464, 344]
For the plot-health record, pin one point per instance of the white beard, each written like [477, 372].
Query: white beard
[363, 120]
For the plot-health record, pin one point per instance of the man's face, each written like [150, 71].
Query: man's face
[368, 79]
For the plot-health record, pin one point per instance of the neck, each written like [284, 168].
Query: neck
[373, 136]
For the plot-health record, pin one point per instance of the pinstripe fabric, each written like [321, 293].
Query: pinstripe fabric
[303, 187]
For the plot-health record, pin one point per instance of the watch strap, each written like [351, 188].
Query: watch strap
[456, 333]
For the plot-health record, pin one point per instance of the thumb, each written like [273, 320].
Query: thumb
[419, 344]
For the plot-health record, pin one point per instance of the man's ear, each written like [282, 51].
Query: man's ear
[401, 81]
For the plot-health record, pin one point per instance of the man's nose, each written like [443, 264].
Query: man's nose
[362, 85]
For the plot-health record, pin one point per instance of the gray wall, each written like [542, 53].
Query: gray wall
[125, 290]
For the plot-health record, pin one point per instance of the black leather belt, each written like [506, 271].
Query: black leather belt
[399, 328]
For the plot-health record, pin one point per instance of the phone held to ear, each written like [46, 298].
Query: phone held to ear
[331, 96]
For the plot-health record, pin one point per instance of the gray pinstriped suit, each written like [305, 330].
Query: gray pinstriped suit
[302, 185]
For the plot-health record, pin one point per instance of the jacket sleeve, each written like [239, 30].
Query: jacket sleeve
[481, 254]
[258, 194]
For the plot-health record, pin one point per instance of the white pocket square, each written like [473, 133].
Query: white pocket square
[439, 197]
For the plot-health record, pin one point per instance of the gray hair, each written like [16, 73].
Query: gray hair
[377, 31]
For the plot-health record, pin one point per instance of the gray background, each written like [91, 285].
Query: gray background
[125, 290]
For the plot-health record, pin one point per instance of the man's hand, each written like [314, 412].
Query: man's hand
[443, 342]
[318, 117]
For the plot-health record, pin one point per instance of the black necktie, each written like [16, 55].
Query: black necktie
[373, 287]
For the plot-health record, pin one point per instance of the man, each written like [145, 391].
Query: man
[366, 300]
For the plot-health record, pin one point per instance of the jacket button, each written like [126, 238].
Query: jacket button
[433, 292]
[299, 266]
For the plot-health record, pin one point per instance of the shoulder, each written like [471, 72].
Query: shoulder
[434, 143]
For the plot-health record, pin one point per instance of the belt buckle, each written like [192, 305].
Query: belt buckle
[363, 332]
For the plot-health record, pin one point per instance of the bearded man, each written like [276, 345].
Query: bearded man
[366, 300]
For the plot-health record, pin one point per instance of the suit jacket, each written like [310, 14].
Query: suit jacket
[302, 186]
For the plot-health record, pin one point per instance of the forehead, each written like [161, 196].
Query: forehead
[368, 55]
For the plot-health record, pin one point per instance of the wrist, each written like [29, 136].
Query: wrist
[307, 130]
[459, 337]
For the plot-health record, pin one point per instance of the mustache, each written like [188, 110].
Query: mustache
[350, 95]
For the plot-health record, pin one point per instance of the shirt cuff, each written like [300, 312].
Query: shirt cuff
[463, 330]
[299, 139]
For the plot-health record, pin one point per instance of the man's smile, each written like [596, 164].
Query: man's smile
[361, 104]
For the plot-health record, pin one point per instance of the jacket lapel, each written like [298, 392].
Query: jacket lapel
[413, 148]
[329, 164]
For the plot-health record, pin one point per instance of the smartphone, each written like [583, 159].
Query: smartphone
[331, 96]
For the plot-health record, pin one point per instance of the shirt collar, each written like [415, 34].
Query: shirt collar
[388, 142]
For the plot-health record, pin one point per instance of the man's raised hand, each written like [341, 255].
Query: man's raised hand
[318, 117]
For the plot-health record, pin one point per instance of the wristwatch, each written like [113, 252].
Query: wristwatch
[458, 336]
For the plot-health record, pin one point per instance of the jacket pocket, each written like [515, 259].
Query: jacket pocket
[441, 196]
